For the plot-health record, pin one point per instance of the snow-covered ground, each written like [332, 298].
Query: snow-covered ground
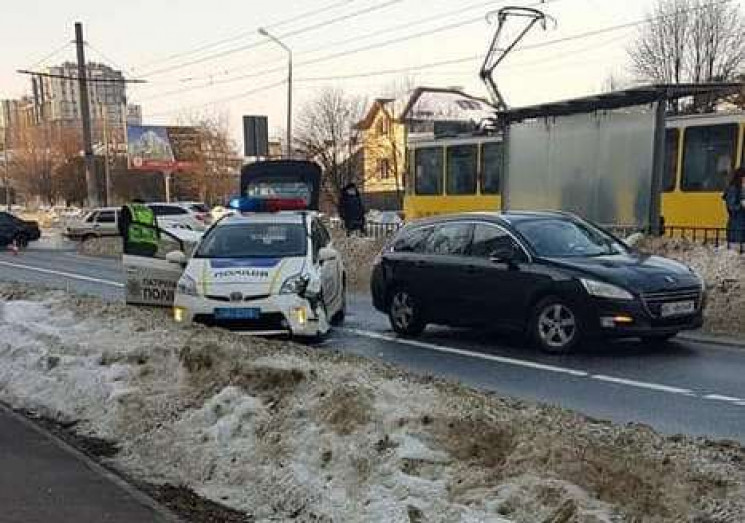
[283, 431]
[724, 272]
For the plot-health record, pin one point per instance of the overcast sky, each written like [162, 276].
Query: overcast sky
[157, 40]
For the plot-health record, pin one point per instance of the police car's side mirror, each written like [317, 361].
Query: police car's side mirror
[326, 254]
[176, 257]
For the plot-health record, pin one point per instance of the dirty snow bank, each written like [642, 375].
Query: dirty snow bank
[724, 272]
[283, 432]
[107, 247]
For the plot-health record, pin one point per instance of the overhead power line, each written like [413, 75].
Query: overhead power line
[578, 36]
[332, 56]
[359, 37]
[89, 79]
[231, 98]
[274, 25]
[319, 25]
[51, 55]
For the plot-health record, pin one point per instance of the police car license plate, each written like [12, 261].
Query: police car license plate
[237, 313]
[678, 308]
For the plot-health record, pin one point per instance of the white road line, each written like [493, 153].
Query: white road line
[729, 399]
[469, 354]
[643, 385]
[61, 273]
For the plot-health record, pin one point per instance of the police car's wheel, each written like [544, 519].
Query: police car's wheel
[404, 313]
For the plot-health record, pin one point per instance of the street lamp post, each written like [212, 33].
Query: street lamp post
[276, 40]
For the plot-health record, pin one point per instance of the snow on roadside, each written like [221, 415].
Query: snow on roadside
[282, 431]
[724, 272]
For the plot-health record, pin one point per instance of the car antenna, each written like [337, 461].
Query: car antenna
[496, 54]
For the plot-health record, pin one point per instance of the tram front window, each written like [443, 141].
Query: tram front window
[461, 173]
[428, 171]
[709, 151]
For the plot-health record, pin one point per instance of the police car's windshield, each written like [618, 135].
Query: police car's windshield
[251, 240]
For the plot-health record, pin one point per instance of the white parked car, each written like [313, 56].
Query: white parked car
[190, 215]
[97, 223]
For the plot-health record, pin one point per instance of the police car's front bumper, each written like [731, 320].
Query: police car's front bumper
[282, 314]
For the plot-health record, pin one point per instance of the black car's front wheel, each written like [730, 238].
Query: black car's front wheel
[21, 240]
[555, 326]
[405, 313]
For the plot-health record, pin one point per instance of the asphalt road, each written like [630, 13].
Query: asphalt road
[41, 480]
[690, 387]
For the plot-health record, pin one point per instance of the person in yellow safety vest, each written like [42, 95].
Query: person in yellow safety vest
[138, 227]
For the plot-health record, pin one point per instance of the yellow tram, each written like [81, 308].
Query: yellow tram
[457, 174]
[700, 150]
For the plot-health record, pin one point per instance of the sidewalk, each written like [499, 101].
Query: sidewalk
[42, 480]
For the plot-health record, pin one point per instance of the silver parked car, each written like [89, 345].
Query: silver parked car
[97, 223]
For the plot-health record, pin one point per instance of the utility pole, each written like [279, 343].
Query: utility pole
[85, 115]
[6, 171]
[106, 167]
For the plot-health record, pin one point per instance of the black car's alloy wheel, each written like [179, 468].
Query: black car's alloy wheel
[555, 327]
[405, 314]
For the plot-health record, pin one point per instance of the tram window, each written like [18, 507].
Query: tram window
[492, 158]
[708, 157]
[462, 169]
[428, 170]
[671, 160]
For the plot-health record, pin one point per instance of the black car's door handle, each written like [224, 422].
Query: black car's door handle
[421, 264]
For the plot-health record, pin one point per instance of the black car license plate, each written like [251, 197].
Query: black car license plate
[237, 313]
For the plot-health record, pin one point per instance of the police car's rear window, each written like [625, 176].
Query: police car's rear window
[251, 240]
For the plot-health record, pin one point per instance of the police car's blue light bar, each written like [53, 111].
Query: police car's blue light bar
[267, 204]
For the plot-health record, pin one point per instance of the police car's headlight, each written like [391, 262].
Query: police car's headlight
[295, 284]
[187, 285]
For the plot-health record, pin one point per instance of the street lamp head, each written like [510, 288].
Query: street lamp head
[263, 32]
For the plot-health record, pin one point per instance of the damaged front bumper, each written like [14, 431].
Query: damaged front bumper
[282, 314]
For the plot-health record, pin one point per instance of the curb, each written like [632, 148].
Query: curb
[96, 467]
[709, 339]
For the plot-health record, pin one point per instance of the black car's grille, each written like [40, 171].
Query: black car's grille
[271, 321]
[653, 301]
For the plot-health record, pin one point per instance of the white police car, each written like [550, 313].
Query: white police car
[263, 273]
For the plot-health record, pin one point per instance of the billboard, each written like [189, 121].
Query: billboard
[157, 148]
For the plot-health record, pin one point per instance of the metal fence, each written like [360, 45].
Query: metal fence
[713, 236]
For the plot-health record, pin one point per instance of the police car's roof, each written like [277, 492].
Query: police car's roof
[265, 217]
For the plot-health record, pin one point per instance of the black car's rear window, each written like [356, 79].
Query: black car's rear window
[563, 237]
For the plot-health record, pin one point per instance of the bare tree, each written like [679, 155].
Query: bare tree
[326, 133]
[215, 174]
[690, 41]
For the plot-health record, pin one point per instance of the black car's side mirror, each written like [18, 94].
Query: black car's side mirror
[505, 254]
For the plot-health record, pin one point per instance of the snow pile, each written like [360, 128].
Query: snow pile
[286, 432]
[107, 247]
[358, 254]
[724, 272]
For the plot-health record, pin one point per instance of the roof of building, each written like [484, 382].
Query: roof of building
[369, 119]
[625, 98]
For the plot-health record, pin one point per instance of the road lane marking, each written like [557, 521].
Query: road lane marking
[728, 399]
[657, 387]
[643, 385]
[469, 354]
[61, 273]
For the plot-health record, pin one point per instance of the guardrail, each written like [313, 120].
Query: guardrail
[372, 229]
